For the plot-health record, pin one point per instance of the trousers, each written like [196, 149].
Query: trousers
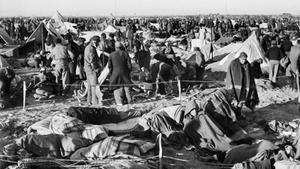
[273, 70]
[122, 95]
[92, 82]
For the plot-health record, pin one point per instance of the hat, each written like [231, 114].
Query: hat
[81, 39]
[95, 38]
[68, 36]
[118, 44]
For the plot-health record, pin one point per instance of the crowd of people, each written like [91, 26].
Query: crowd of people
[72, 53]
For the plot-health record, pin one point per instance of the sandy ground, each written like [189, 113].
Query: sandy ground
[275, 104]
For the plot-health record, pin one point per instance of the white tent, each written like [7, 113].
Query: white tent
[110, 29]
[57, 21]
[3, 63]
[72, 27]
[251, 47]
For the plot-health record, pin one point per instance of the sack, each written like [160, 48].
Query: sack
[285, 61]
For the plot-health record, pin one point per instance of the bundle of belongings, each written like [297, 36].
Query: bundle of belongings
[208, 127]
[45, 87]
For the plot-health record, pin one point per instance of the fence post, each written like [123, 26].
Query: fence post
[160, 153]
[179, 88]
[24, 95]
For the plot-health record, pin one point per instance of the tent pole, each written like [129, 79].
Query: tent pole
[43, 41]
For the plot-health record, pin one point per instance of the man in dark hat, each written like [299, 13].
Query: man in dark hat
[240, 80]
[92, 69]
[274, 54]
[119, 65]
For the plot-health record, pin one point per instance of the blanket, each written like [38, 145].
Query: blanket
[112, 146]
[52, 145]
[237, 154]
[58, 125]
[239, 78]
[101, 115]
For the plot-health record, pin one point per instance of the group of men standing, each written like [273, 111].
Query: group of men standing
[67, 57]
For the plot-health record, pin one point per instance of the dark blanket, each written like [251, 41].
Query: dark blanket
[52, 145]
[101, 115]
[218, 107]
[240, 78]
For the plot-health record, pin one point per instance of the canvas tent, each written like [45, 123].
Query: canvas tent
[110, 29]
[5, 37]
[3, 63]
[9, 49]
[40, 34]
[251, 47]
[57, 21]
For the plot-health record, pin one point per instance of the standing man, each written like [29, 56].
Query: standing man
[80, 60]
[119, 65]
[73, 48]
[293, 68]
[240, 80]
[60, 55]
[92, 68]
[274, 54]
[200, 64]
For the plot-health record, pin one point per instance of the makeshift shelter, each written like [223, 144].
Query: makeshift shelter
[3, 63]
[110, 29]
[57, 21]
[5, 38]
[40, 34]
[9, 49]
[251, 47]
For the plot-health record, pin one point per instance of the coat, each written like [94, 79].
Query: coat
[119, 65]
[91, 62]
[240, 79]
[294, 59]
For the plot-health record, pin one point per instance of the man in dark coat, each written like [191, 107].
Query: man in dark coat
[92, 69]
[240, 80]
[73, 48]
[6, 76]
[119, 65]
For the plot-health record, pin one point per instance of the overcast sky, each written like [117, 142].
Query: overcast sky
[145, 7]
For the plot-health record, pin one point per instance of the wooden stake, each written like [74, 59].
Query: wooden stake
[179, 88]
[298, 88]
[160, 154]
[24, 95]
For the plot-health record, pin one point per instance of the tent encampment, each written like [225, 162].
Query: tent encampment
[5, 37]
